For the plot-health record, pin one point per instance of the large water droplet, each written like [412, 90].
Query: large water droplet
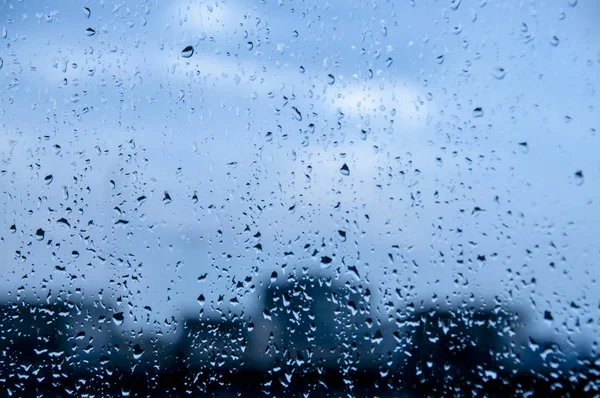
[90, 32]
[187, 52]
[39, 234]
[345, 170]
[118, 318]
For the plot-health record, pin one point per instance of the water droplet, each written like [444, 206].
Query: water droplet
[63, 221]
[389, 62]
[118, 318]
[579, 177]
[454, 4]
[90, 32]
[326, 259]
[440, 59]
[297, 114]
[87, 12]
[554, 41]
[48, 179]
[478, 112]
[249, 45]
[330, 79]
[201, 299]
[524, 146]
[345, 170]
[1, 63]
[39, 234]
[273, 277]
[13, 228]
[572, 3]
[499, 72]
[187, 52]
[137, 351]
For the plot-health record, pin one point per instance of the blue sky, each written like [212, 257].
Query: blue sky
[257, 123]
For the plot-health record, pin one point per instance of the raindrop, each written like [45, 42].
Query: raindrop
[297, 114]
[39, 234]
[499, 72]
[440, 59]
[579, 177]
[1, 63]
[273, 277]
[326, 259]
[330, 79]
[454, 4]
[87, 12]
[187, 52]
[478, 112]
[48, 179]
[389, 62]
[524, 146]
[90, 32]
[137, 351]
[118, 318]
[554, 41]
[345, 170]
[13, 228]
[249, 46]
[201, 299]
[63, 221]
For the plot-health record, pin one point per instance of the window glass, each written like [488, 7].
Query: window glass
[299, 197]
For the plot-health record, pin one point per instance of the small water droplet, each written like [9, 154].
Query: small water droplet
[87, 12]
[297, 114]
[345, 170]
[440, 59]
[90, 32]
[524, 146]
[579, 177]
[273, 277]
[478, 112]
[454, 4]
[554, 41]
[330, 79]
[201, 299]
[389, 62]
[572, 3]
[48, 179]
[1, 63]
[187, 52]
[499, 72]
[249, 45]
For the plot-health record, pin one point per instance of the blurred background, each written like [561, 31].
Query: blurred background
[364, 198]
